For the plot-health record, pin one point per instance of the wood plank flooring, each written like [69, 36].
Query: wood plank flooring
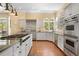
[45, 48]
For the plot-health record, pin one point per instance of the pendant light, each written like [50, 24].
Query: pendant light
[1, 8]
[6, 6]
[0, 4]
[16, 13]
[12, 11]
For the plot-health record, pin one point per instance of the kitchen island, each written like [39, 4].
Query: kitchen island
[18, 45]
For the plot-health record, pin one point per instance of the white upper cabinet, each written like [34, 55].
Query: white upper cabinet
[68, 11]
[75, 8]
[71, 9]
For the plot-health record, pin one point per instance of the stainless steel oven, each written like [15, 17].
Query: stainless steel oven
[72, 44]
[72, 25]
[71, 31]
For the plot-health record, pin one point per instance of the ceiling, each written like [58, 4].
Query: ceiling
[37, 7]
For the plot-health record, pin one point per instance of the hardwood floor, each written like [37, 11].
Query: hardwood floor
[45, 48]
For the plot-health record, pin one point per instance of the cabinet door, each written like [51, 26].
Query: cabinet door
[16, 49]
[61, 42]
[19, 50]
[42, 36]
[7, 52]
[72, 9]
[75, 8]
[39, 36]
[55, 39]
[22, 51]
[68, 11]
[25, 48]
[28, 45]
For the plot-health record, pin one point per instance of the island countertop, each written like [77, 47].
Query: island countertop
[13, 36]
[12, 39]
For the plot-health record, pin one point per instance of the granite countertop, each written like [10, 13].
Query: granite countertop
[4, 47]
[68, 35]
[13, 40]
[13, 36]
[62, 34]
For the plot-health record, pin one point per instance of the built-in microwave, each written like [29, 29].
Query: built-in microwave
[70, 27]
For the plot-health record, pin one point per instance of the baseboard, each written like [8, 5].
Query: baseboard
[40, 40]
[29, 51]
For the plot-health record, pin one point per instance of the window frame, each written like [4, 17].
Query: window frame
[48, 21]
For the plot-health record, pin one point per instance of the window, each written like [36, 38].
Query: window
[48, 25]
[4, 30]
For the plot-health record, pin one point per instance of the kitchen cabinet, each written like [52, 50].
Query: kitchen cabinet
[23, 51]
[28, 46]
[61, 42]
[75, 9]
[55, 38]
[44, 36]
[31, 27]
[7, 52]
[22, 25]
[68, 11]
[24, 48]
[71, 9]
[40, 36]
[16, 49]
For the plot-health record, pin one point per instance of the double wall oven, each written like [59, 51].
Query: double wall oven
[71, 42]
[72, 45]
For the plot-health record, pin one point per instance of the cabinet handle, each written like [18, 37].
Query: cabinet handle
[77, 40]
[26, 44]
[19, 51]
[17, 46]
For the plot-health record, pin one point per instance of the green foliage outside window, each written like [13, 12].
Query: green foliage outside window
[48, 25]
[51, 25]
[3, 26]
